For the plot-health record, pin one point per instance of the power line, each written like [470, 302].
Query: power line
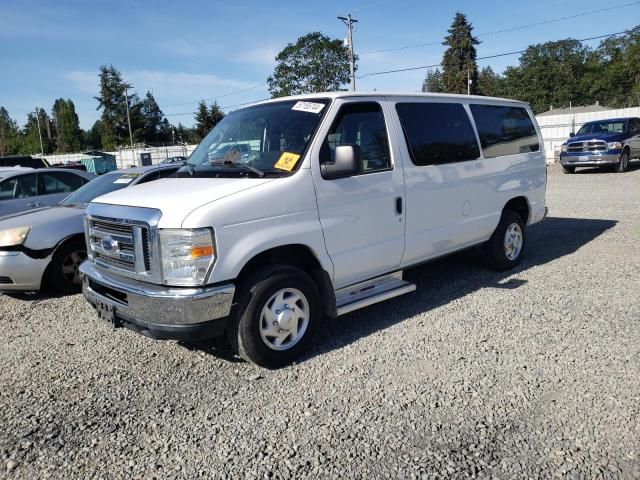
[235, 92]
[422, 67]
[511, 29]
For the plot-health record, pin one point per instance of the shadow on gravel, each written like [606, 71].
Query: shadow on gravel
[41, 295]
[456, 276]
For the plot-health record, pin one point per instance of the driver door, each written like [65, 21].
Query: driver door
[362, 215]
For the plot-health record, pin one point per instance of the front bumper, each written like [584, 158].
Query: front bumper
[589, 160]
[19, 272]
[158, 311]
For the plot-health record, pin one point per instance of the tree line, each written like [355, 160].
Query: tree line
[557, 73]
[61, 133]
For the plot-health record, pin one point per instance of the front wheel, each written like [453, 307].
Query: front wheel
[504, 249]
[623, 164]
[275, 316]
[64, 270]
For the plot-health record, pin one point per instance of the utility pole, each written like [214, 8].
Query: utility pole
[39, 132]
[126, 96]
[348, 21]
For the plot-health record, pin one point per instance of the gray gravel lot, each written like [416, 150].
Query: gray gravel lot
[533, 373]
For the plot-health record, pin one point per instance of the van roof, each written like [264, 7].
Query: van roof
[449, 96]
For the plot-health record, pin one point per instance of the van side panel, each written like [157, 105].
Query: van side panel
[455, 205]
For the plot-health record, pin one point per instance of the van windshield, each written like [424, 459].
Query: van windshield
[265, 139]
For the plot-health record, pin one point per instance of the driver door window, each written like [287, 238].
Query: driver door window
[23, 186]
[360, 124]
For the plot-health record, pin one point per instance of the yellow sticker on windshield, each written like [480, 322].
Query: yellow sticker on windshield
[287, 161]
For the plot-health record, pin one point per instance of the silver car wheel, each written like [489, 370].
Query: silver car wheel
[71, 267]
[284, 319]
[513, 240]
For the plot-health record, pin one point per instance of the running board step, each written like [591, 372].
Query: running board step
[372, 291]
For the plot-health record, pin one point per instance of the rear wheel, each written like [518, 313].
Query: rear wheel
[64, 270]
[504, 249]
[568, 169]
[275, 317]
[623, 164]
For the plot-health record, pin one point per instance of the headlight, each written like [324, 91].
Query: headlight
[13, 236]
[563, 149]
[614, 146]
[187, 255]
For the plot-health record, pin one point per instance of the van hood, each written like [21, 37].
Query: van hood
[177, 197]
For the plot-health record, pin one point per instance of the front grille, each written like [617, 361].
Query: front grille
[5, 281]
[114, 244]
[590, 146]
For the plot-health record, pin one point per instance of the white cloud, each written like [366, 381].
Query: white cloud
[261, 56]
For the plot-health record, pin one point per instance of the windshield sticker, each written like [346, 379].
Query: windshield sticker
[126, 178]
[287, 161]
[310, 107]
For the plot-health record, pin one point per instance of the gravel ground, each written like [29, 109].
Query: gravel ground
[530, 374]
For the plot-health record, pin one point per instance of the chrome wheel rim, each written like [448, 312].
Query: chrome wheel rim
[284, 319]
[71, 266]
[513, 241]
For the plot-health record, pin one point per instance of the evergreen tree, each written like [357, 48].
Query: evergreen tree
[112, 102]
[152, 119]
[93, 136]
[31, 136]
[490, 83]
[203, 121]
[459, 61]
[433, 82]
[9, 134]
[68, 136]
[215, 114]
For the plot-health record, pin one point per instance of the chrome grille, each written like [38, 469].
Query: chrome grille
[115, 244]
[589, 146]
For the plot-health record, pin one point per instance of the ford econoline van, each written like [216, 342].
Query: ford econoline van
[316, 207]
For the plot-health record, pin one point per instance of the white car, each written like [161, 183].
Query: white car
[47, 245]
[339, 193]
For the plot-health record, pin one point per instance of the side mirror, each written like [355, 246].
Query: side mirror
[572, 134]
[348, 162]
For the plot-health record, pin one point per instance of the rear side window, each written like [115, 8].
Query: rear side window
[504, 130]
[438, 133]
[60, 182]
[22, 186]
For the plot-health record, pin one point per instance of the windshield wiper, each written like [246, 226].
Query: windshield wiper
[231, 163]
[190, 168]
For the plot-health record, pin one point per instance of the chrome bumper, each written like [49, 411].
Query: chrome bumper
[589, 160]
[155, 305]
[19, 272]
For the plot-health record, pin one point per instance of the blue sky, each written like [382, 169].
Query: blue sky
[184, 51]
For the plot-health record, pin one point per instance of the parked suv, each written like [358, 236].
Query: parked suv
[335, 196]
[602, 143]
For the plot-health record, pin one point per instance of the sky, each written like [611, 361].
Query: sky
[186, 51]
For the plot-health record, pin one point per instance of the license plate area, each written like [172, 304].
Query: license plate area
[584, 158]
[107, 312]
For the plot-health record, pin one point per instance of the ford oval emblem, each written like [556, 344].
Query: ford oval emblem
[109, 244]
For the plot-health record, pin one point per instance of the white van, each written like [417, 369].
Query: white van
[330, 197]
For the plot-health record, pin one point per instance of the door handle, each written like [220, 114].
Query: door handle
[34, 204]
[399, 205]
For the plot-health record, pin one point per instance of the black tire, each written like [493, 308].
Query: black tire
[63, 269]
[495, 248]
[254, 294]
[623, 164]
[568, 169]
